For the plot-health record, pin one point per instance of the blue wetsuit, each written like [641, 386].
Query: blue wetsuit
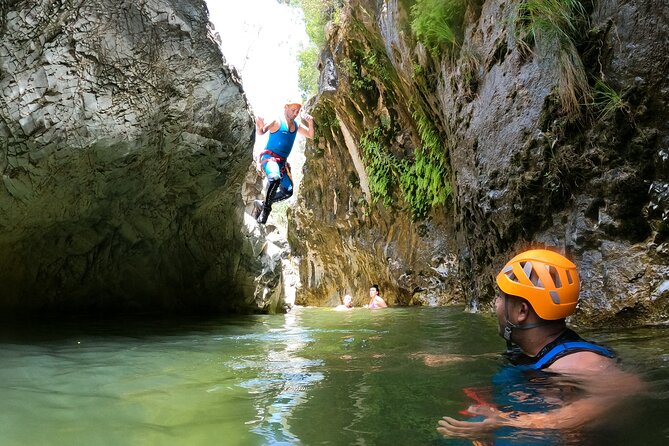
[281, 141]
[273, 158]
[277, 170]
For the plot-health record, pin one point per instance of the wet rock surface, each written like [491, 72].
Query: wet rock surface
[524, 171]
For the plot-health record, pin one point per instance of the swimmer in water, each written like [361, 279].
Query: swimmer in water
[346, 305]
[375, 299]
[538, 289]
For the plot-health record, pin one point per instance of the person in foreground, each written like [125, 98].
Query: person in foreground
[538, 290]
[375, 299]
[347, 304]
[282, 133]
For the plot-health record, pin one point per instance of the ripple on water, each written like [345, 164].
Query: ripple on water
[312, 377]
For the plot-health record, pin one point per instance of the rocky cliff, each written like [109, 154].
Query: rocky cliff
[124, 140]
[439, 155]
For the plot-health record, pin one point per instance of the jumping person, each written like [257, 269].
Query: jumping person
[538, 290]
[282, 133]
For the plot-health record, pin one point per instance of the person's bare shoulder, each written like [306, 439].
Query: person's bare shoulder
[582, 362]
[275, 124]
[601, 375]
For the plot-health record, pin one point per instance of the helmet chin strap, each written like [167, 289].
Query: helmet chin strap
[510, 326]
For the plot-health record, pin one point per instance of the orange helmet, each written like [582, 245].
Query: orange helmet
[546, 279]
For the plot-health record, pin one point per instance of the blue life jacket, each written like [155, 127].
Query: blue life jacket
[565, 344]
[524, 385]
[281, 141]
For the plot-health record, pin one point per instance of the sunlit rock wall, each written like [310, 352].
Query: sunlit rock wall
[346, 237]
[124, 139]
[594, 183]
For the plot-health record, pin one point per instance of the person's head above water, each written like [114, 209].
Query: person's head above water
[538, 290]
[374, 288]
[348, 300]
[543, 280]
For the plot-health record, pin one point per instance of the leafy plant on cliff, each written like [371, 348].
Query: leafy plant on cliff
[382, 167]
[554, 26]
[327, 120]
[372, 58]
[606, 101]
[424, 183]
[358, 78]
[436, 23]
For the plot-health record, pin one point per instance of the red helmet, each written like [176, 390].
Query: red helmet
[546, 279]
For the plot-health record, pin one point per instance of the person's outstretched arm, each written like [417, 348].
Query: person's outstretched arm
[263, 128]
[605, 388]
[307, 130]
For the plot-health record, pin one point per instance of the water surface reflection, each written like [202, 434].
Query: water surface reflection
[311, 377]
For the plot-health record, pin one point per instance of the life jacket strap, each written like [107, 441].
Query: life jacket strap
[570, 347]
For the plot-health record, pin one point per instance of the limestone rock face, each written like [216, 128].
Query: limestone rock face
[124, 141]
[347, 237]
[524, 168]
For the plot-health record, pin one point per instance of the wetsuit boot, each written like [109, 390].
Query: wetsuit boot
[257, 209]
[267, 205]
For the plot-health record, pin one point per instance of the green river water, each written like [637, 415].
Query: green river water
[309, 377]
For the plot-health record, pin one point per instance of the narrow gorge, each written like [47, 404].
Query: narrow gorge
[449, 134]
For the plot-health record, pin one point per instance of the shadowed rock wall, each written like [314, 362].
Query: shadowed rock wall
[124, 139]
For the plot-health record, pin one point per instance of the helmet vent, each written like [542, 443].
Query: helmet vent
[527, 268]
[509, 273]
[569, 279]
[555, 276]
[555, 297]
[532, 274]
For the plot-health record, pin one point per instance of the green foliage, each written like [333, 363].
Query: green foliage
[425, 183]
[366, 68]
[554, 25]
[316, 14]
[327, 119]
[357, 79]
[308, 71]
[385, 121]
[606, 101]
[436, 23]
[382, 167]
[428, 134]
[551, 19]
[372, 59]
